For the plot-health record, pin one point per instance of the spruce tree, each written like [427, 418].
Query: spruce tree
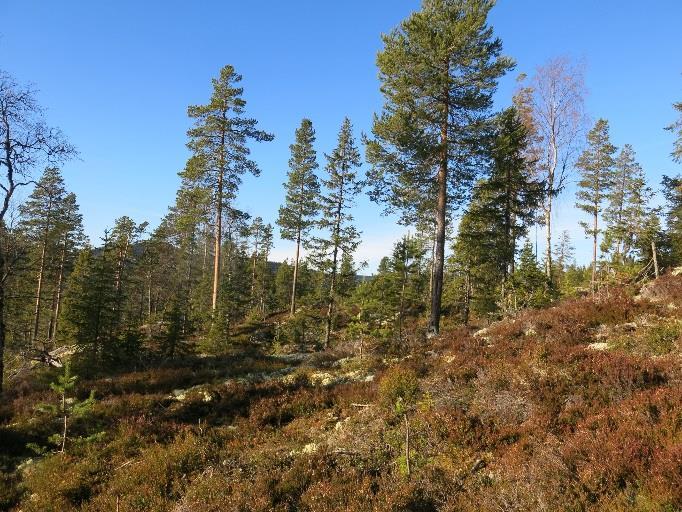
[596, 167]
[438, 71]
[219, 139]
[301, 206]
[342, 186]
[672, 191]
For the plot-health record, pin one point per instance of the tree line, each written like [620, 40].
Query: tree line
[469, 182]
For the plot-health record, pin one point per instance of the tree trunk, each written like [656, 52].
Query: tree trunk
[655, 257]
[332, 286]
[548, 238]
[218, 242]
[58, 296]
[594, 254]
[439, 256]
[39, 291]
[292, 310]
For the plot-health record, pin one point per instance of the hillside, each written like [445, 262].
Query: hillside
[575, 407]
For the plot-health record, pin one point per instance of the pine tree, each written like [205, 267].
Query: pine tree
[69, 406]
[596, 167]
[342, 186]
[219, 140]
[297, 215]
[27, 142]
[51, 224]
[438, 71]
[626, 199]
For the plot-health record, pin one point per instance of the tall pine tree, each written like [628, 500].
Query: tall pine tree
[596, 168]
[219, 138]
[342, 186]
[438, 71]
[297, 215]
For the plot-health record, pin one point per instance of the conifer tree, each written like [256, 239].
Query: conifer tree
[26, 142]
[596, 167]
[672, 191]
[406, 260]
[438, 71]
[342, 186]
[71, 239]
[563, 255]
[219, 139]
[90, 301]
[530, 282]
[626, 199]
[297, 215]
[49, 221]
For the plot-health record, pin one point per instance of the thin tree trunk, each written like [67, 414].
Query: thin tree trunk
[439, 256]
[332, 286]
[332, 290]
[65, 423]
[292, 310]
[655, 257]
[594, 254]
[218, 242]
[58, 296]
[39, 292]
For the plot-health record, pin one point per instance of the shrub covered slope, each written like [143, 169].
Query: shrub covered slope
[576, 407]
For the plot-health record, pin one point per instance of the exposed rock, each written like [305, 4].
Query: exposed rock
[598, 346]
[199, 391]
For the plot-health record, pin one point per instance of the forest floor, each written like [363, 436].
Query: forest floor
[575, 407]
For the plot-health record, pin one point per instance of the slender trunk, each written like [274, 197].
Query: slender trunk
[253, 269]
[467, 297]
[439, 256]
[149, 296]
[292, 310]
[548, 238]
[65, 422]
[39, 292]
[332, 286]
[401, 310]
[655, 257]
[218, 242]
[594, 253]
[58, 296]
[332, 290]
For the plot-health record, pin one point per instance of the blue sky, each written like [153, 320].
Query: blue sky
[117, 77]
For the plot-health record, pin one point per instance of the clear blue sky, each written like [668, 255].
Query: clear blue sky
[117, 78]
